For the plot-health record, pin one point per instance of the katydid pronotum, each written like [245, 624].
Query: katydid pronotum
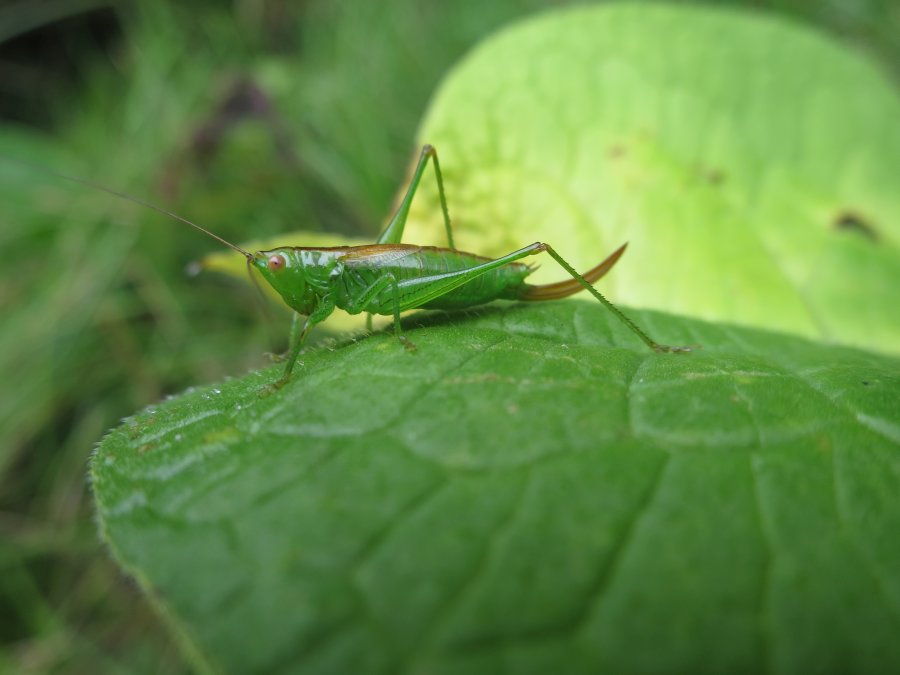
[388, 277]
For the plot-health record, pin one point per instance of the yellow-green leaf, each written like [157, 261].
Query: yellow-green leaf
[752, 164]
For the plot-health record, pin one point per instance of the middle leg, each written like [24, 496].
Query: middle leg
[371, 292]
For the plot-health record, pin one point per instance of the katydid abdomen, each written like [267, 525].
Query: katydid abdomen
[410, 265]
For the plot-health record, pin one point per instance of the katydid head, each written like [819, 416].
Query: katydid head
[285, 271]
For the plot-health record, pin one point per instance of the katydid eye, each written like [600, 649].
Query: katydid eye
[276, 262]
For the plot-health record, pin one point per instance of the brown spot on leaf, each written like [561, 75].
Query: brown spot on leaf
[854, 222]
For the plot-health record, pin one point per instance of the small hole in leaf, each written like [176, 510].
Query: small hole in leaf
[853, 222]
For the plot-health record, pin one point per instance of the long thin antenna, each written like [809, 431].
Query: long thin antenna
[130, 198]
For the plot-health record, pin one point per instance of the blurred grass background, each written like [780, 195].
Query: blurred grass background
[252, 117]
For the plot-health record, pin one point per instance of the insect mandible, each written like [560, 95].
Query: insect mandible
[389, 277]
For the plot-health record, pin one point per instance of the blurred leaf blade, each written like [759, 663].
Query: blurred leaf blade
[755, 177]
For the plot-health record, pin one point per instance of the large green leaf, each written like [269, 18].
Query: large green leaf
[753, 164]
[531, 491]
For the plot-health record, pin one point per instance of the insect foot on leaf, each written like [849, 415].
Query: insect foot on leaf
[407, 343]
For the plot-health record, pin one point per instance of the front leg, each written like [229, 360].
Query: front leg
[295, 327]
[322, 312]
[296, 346]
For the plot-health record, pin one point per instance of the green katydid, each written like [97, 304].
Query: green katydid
[388, 277]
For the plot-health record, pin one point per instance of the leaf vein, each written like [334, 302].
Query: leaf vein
[445, 612]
